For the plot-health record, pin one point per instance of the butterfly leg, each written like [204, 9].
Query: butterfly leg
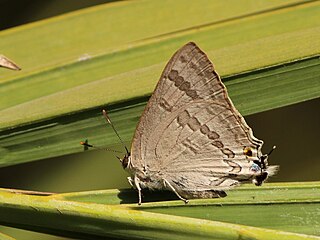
[166, 183]
[137, 184]
[131, 182]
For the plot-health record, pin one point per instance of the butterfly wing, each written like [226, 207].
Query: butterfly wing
[172, 92]
[206, 148]
[190, 131]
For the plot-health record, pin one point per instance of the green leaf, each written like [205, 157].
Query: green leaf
[107, 28]
[263, 53]
[133, 70]
[5, 237]
[251, 92]
[282, 207]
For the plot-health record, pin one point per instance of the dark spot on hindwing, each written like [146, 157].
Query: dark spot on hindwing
[173, 74]
[213, 135]
[178, 81]
[192, 93]
[210, 134]
[228, 152]
[194, 123]
[204, 129]
[183, 118]
[185, 86]
[217, 144]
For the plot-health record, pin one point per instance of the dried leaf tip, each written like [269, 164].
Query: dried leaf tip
[7, 63]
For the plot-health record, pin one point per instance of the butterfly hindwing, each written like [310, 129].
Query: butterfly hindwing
[208, 149]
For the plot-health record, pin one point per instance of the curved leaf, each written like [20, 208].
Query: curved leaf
[60, 215]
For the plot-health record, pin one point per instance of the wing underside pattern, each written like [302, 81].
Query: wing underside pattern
[190, 131]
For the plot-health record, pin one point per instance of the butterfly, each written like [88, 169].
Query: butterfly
[191, 139]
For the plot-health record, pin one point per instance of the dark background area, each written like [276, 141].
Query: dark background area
[18, 12]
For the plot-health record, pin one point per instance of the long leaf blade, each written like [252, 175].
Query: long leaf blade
[55, 214]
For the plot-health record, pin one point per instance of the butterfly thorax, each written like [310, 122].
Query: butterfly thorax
[150, 180]
[147, 179]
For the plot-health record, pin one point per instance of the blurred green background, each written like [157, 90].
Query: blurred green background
[294, 130]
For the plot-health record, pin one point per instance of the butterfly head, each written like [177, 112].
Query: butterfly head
[262, 169]
[126, 161]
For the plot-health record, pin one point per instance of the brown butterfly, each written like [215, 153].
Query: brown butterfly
[191, 139]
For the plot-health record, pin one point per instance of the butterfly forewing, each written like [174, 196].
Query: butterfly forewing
[189, 75]
[190, 133]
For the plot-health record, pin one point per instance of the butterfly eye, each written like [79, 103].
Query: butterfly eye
[247, 151]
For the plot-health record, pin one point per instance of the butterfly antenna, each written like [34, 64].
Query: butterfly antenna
[87, 145]
[104, 112]
[273, 148]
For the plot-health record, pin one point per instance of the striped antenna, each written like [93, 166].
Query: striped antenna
[87, 145]
[104, 112]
